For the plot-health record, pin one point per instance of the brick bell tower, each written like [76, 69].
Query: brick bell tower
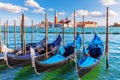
[56, 18]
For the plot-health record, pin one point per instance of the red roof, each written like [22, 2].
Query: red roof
[80, 24]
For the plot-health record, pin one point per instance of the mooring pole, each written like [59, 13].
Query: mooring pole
[24, 36]
[15, 34]
[74, 34]
[0, 37]
[32, 32]
[63, 33]
[46, 33]
[22, 33]
[75, 54]
[107, 39]
[93, 30]
[5, 33]
[83, 25]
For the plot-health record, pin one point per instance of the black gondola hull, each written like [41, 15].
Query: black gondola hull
[39, 67]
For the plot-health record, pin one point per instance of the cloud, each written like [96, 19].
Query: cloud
[32, 3]
[96, 14]
[102, 14]
[108, 2]
[39, 10]
[81, 12]
[50, 9]
[12, 8]
[61, 13]
[112, 13]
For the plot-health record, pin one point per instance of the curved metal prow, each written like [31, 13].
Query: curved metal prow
[32, 52]
[5, 50]
[32, 56]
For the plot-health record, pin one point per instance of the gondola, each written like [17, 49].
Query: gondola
[64, 56]
[19, 51]
[21, 60]
[92, 56]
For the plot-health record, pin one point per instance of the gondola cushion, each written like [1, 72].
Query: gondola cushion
[88, 61]
[54, 59]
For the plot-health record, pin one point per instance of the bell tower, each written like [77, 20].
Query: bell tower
[56, 18]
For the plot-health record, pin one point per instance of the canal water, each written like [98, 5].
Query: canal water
[99, 73]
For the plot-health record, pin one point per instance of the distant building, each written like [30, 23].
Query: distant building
[87, 24]
[116, 24]
[56, 22]
[64, 22]
[40, 25]
[56, 18]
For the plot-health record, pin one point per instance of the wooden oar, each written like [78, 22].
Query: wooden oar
[0, 38]
[46, 33]
[32, 32]
[107, 35]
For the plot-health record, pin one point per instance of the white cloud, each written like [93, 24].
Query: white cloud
[50, 9]
[34, 4]
[39, 10]
[12, 8]
[108, 2]
[81, 12]
[102, 14]
[61, 13]
[112, 13]
[96, 14]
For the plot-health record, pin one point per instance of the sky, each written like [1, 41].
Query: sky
[93, 10]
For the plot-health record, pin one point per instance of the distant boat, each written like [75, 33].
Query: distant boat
[64, 56]
[92, 59]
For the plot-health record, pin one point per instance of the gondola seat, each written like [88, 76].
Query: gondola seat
[54, 59]
[89, 61]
